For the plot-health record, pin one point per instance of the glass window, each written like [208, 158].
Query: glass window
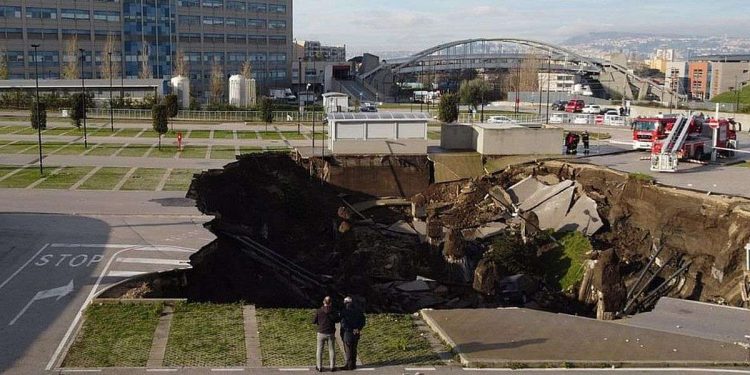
[276, 8]
[189, 3]
[193, 56]
[276, 24]
[190, 37]
[239, 22]
[14, 57]
[107, 16]
[45, 56]
[257, 57]
[258, 40]
[213, 56]
[257, 7]
[213, 20]
[236, 56]
[278, 57]
[277, 40]
[10, 12]
[213, 38]
[212, 3]
[277, 74]
[236, 38]
[41, 13]
[11, 33]
[256, 24]
[190, 20]
[41, 33]
[236, 5]
[74, 14]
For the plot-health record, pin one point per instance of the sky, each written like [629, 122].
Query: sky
[413, 25]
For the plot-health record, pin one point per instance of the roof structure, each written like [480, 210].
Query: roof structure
[359, 116]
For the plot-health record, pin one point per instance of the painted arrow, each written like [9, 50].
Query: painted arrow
[59, 292]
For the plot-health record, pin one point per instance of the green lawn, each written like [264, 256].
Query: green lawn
[144, 179]
[11, 129]
[25, 130]
[745, 164]
[242, 134]
[22, 178]
[250, 149]
[320, 136]
[166, 151]
[5, 169]
[179, 179]
[73, 149]
[104, 149]
[287, 338]
[565, 265]
[292, 135]
[15, 148]
[65, 178]
[204, 335]
[115, 335]
[194, 152]
[223, 134]
[58, 131]
[270, 135]
[393, 339]
[127, 132]
[47, 148]
[105, 178]
[222, 152]
[204, 134]
[134, 150]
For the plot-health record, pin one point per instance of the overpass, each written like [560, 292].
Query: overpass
[506, 54]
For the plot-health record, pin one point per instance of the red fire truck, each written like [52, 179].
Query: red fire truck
[646, 129]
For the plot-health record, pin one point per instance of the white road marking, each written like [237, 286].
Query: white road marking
[294, 369]
[170, 262]
[419, 368]
[125, 273]
[81, 370]
[161, 370]
[365, 369]
[44, 294]
[227, 369]
[23, 266]
[93, 245]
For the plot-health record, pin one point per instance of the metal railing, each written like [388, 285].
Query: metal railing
[254, 116]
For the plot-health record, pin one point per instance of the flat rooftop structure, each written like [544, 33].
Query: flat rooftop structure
[378, 133]
[502, 139]
[508, 336]
[358, 116]
[722, 58]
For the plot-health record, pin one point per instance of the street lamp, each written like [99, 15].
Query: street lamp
[111, 113]
[83, 87]
[38, 125]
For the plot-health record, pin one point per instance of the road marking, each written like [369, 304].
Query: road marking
[169, 262]
[23, 266]
[175, 249]
[294, 369]
[44, 294]
[161, 370]
[419, 368]
[105, 246]
[365, 369]
[125, 273]
[227, 369]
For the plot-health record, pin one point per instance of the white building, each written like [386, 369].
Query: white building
[377, 133]
[557, 82]
[241, 91]
[675, 77]
[335, 102]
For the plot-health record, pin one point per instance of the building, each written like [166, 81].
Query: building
[661, 59]
[675, 77]
[146, 36]
[319, 63]
[502, 139]
[314, 50]
[712, 75]
[699, 79]
[557, 82]
[377, 133]
[99, 89]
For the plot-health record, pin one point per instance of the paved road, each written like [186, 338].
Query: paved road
[58, 248]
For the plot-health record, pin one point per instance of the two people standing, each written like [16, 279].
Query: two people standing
[352, 321]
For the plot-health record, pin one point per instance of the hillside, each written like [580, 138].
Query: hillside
[730, 96]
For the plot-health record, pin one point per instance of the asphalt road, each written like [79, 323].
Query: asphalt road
[59, 248]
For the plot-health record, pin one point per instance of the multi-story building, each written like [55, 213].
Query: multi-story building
[699, 79]
[315, 60]
[147, 35]
[314, 50]
[557, 82]
[714, 74]
[675, 77]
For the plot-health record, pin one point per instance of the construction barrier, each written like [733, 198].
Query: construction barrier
[599, 120]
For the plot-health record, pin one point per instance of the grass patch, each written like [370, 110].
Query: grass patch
[72, 149]
[22, 178]
[247, 135]
[287, 338]
[144, 179]
[115, 335]
[204, 134]
[292, 135]
[105, 178]
[25, 130]
[127, 132]
[15, 148]
[57, 131]
[64, 178]
[643, 177]
[104, 149]
[223, 134]
[206, 335]
[47, 148]
[5, 169]
[223, 152]
[565, 265]
[270, 135]
[320, 136]
[179, 179]
[166, 151]
[393, 339]
[745, 164]
[11, 129]
[194, 152]
[134, 150]
[250, 150]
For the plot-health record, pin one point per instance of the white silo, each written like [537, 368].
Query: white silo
[252, 94]
[237, 92]
[181, 88]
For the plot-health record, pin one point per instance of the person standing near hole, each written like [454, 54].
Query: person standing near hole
[352, 322]
[326, 318]
[585, 140]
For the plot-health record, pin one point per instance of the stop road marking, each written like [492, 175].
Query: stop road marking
[70, 260]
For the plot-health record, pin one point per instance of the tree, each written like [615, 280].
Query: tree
[70, 69]
[266, 110]
[247, 70]
[38, 115]
[173, 106]
[181, 65]
[473, 92]
[448, 108]
[107, 51]
[77, 109]
[145, 72]
[216, 85]
[160, 119]
[4, 73]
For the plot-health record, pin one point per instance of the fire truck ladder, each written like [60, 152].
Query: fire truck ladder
[666, 160]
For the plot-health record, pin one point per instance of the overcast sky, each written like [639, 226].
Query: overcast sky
[413, 25]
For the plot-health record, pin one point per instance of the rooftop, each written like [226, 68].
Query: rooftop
[379, 116]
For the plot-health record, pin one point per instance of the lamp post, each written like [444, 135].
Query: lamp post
[736, 96]
[83, 88]
[111, 111]
[38, 125]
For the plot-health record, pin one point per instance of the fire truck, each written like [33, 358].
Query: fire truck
[647, 129]
[692, 138]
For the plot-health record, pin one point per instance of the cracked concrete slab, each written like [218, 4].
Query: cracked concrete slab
[582, 217]
[524, 189]
[485, 231]
[552, 211]
[544, 194]
[402, 227]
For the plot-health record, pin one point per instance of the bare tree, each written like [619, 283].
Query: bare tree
[529, 78]
[247, 70]
[145, 72]
[181, 65]
[4, 73]
[217, 82]
[70, 69]
[109, 69]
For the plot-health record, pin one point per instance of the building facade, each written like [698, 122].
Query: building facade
[711, 75]
[557, 82]
[675, 77]
[147, 36]
[699, 79]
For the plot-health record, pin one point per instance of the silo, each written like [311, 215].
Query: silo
[237, 91]
[181, 88]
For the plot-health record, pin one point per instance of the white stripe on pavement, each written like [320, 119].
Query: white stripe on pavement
[294, 369]
[161, 370]
[419, 368]
[170, 262]
[365, 369]
[125, 273]
[81, 370]
[227, 369]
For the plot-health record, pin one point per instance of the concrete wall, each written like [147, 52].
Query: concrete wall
[457, 137]
[519, 141]
[378, 176]
[379, 147]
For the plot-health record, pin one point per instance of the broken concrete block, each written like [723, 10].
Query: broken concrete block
[551, 212]
[485, 231]
[582, 217]
[402, 227]
[544, 194]
[414, 286]
[500, 195]
[524, 189]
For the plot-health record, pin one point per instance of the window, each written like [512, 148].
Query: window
[10, 12]
[277, 40]
[276, 8]
[239, 22]
[107, 16]
[193, 56]
[257, 57]
[277, 57]
[190, 37]
[189, 3]
[74, 14]
[103, 35]
[257, 7]
[213, 20]
[45, 56]
[256, 24]
[81, 34]
[213, 57]
[14, 58]
[236, 56]
[11, 33]
[257, 40]
[41, 13]
[212, 3]
[236, 38]
[236, 5]
[276, 25]
[277, 74]
[48, 34]
[213, 38]
[190, 20]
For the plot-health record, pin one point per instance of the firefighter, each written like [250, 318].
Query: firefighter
[569, 143]
[585, 139]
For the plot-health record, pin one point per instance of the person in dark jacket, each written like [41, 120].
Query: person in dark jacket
[326, 318]
[352, 322]
[585, 139]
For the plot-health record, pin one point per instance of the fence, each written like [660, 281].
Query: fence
[585, 119]
[145, 114]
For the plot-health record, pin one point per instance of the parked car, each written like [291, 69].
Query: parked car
[607, 109]
[574, 106]
[556, 118]
[368, 107]
[559, 105]
[500, 120]
[591, 109]
[581, 119]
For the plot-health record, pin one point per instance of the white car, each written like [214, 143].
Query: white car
[592, 109]
[556, 118]
[500, 120]
[581, 120]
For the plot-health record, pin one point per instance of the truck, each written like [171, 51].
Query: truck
[693, 137]
[648, 129]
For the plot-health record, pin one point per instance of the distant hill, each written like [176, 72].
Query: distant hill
[598, 36]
